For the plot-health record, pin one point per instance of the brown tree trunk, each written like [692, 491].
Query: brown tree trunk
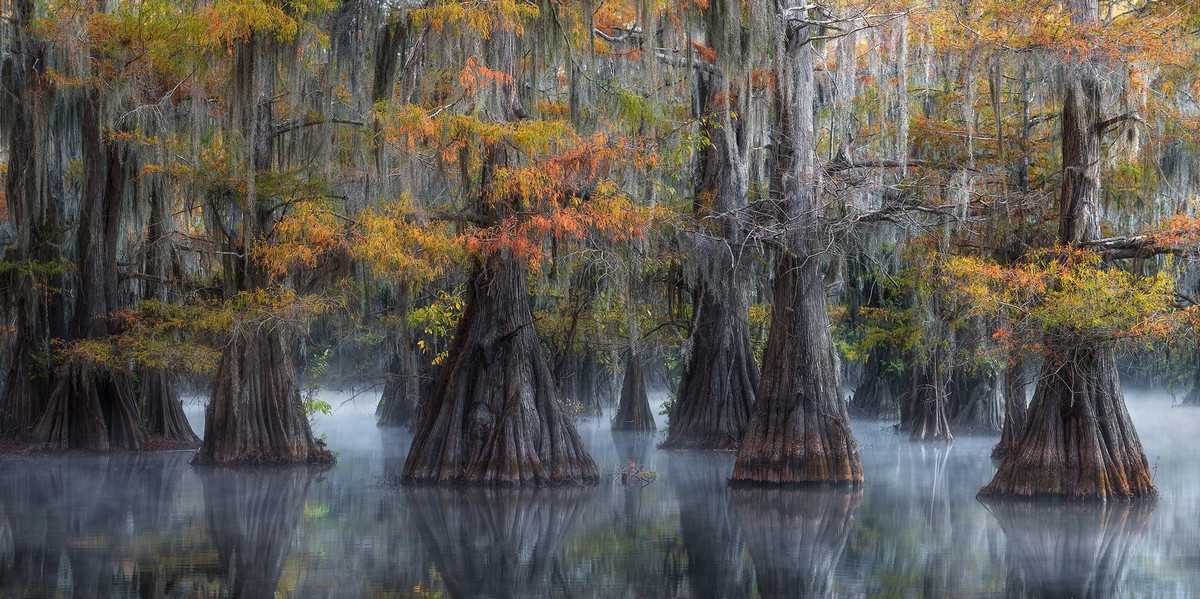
[93, 407]
[1015, 407]
[925, 416]
[402, 390]
[796, 537]
[720, 376]
[494, 416]
[1078, 441]
[255, 413]
[633, 410]
[799, 431]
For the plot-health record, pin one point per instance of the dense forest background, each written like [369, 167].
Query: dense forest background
[507, 213]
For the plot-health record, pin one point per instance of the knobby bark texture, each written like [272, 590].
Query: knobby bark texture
[633, 409]
[1064, 550]
[1078, 441]
[252, 518]
[719, 376]
[796, 537]
[799, 429]
[255, 413]
[494, 416]
[496, 542]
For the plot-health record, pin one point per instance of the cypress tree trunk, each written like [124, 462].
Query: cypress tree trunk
[633, 410]
[796, 537]
[879, 392]
[720, 376]
[92, 406]
[33, 194]
[1078, 441]
[494, 416]
[1015, 406]
[401, 390]
[799, 431]
[1192, 399]
[924, 417]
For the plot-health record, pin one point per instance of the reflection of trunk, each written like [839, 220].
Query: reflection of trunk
[1015, 407]
[252, 519]
[490, 542]
[633, 446]
[799, 431]
[633, 410]
[255, 414]
[796, 537]
[1068, 550]
[1078, 440]
[712, 538]
[494, 415]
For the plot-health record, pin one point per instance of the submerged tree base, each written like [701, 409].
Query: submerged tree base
[494, 417]
[1078, 441]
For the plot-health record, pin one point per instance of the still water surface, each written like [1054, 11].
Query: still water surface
[152, 526]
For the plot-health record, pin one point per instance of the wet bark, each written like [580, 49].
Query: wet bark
[712, 536]
[633, 410]
[1078, 441]
[496, 542]
[1070, 550]
[799, 430]
[255, 413]
[494, 416]
[252, 518]
[796, 537]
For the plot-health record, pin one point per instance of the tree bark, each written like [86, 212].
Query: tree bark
[494, 416]
[633, 410]
[924, 416]
[1078, 441]
[402, 390]
[799, 431]
[1015, 407]
[720, 376]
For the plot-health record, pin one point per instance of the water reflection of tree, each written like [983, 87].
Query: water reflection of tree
[69, 524]
[712, 537]
[252, 518]
[1070, 550]
[496, 542]
[796, 536]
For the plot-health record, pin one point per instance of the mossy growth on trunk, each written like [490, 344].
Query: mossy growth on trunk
[256, 414]
[633, 410]
[1078, 441]
[494, 415]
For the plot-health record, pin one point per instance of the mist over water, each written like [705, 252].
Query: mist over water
[150, 525]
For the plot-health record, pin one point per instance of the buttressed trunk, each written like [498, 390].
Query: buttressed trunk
[799, 431]
[494, 416]
[719, 376]
[1078, 441]
[633, 410]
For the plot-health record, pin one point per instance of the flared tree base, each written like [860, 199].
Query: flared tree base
[494, 417]
[166, 423]
[91, 409]
[255, 414]
[633, 411]
[1078, 441]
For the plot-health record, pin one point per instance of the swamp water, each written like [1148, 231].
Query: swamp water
[152, 526]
